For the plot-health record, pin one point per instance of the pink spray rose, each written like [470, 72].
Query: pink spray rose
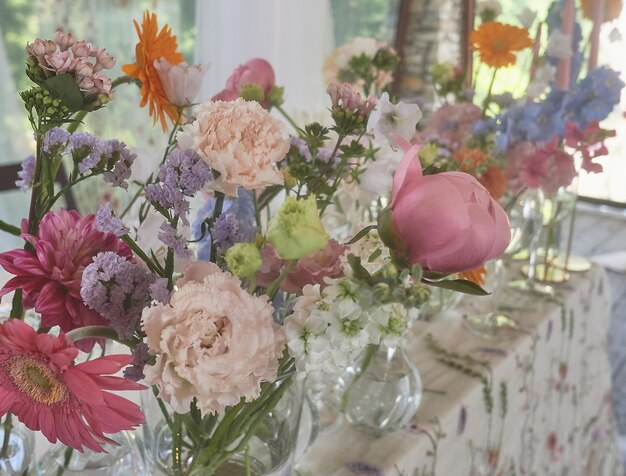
[448, 221]
[312, 269]
[256, 71]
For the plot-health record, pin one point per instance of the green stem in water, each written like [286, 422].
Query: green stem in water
[7, 435]
[67, 456]
[177, 445]
[370, 352]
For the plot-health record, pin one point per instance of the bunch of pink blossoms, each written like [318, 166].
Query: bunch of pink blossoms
[79, 58]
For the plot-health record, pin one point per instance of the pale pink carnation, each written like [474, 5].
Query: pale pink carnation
[240, 140]
[214, 342]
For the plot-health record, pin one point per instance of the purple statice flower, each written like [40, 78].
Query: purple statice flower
[107, 222]
[55, 138]
[27, 174]
[302, 147]
[168, 236]
[141, 356]
[225, 231]
[182, 174]
[159, 291]
[85, 150]
[118, 289]
[119, 161]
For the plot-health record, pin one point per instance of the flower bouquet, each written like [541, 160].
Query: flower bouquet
[225, 314]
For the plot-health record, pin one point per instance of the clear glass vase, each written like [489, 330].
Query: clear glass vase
[382, 392]
[17, 452]
[270, 451]
[125, 459]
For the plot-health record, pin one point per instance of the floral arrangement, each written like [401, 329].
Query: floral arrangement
[231, 307]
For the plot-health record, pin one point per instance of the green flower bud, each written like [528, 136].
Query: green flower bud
[275, 95]
[418, 294]
[428, 154]
[252, 92]
[243, 259]
[296, 230]
[382, 291]
[389, 271]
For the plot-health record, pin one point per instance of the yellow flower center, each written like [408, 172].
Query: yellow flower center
[36, 380]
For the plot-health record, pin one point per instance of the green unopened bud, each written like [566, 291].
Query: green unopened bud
[428, 154]
[296, 230]
[389, 233]
[382, 291]
[276, 95]
[418, 294]
[389, 271]
[243, 259]
[252, 92]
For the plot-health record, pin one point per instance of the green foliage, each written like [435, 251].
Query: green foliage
[367, 18]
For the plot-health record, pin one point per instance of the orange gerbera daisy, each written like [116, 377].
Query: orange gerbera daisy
[154, 44]
[476, 276]
[497, 43]
[494, 180]
[468, 159]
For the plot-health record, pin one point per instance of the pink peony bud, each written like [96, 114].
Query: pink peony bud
[180, 81]
[81, 49]
[448, 221]
[103, 60]
[60, 62]
[256, 71]
[63, 40]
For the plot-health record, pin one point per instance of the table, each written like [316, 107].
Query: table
[546, 409]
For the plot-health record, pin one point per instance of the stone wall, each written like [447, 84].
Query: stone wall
[433, 35]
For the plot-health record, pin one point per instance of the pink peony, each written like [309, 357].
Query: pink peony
[448, 221]
[47, 392]
[50, 274]
[180, 81]
[256, 71]
[240, 140]
[214, 342]
[310, 270]
[451, 124]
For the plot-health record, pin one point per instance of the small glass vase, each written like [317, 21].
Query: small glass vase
[270, 452]
[18, 457]
[122, 460]
[382, 392]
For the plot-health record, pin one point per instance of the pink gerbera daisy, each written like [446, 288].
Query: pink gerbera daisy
[50, 274]
[66, 402]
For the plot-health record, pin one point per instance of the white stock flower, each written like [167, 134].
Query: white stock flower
[559, 45]
[389, 323]
[527, 17]
[388, 119]
[544, 74]
[377, 179]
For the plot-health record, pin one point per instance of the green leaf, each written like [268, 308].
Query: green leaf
[361, 234]
[64, 87]
[460, 285]
[435, 275]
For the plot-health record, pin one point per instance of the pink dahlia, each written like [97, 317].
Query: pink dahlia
[50, 274]
[66, 402]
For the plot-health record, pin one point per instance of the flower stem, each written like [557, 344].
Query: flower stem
[7, 435]
[217, 211]
[67, 456]
[370, 352]
[273, 289]
[12, 229]
[288, 118]
[488, 96]
[177, 445]
[91, 332]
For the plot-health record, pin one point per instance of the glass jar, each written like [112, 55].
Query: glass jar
[383, 391]
[17, 453]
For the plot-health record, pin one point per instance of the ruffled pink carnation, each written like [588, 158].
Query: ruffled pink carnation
[50, 274]
[313, 269]
[68, 402]
[214, 342]
[451, 124]
[240, 140]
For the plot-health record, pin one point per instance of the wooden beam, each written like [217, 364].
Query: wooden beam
[402, 28]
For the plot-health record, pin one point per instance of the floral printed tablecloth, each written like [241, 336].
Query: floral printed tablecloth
[536, 405]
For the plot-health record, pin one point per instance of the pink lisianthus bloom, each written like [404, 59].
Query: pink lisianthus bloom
[256, 71]
[448, 221]
[40, 384]
[313, 269]
[50, 274]
[241, 141]
[180, 81]
[451, 125]
[214, 342]
[589, 142]
[549, 168]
